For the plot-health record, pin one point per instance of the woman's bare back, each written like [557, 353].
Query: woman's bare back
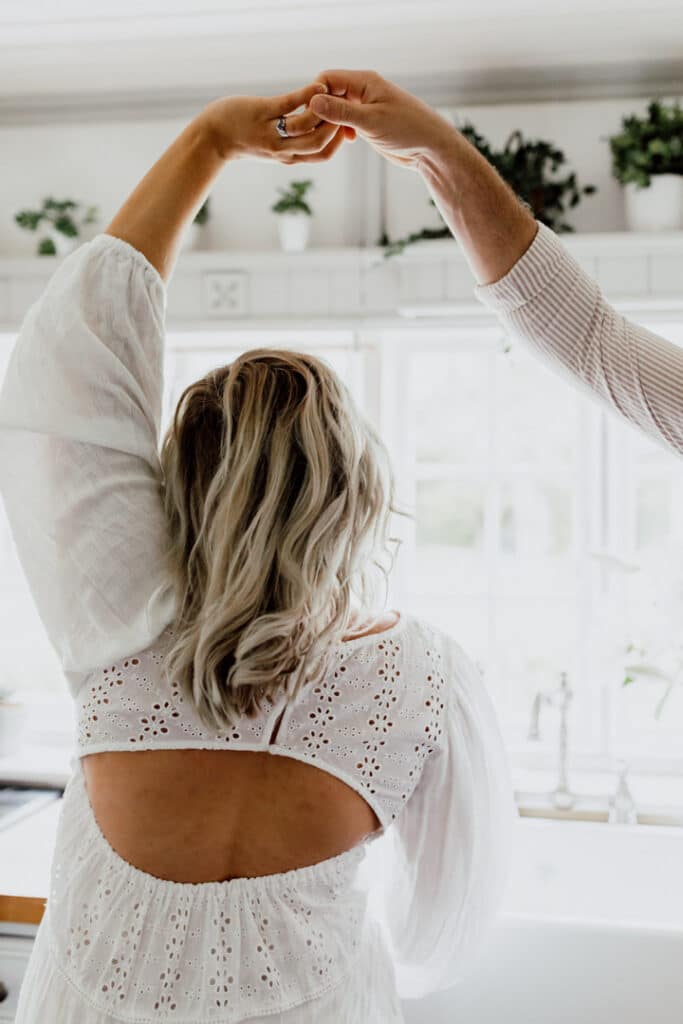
[210, 815]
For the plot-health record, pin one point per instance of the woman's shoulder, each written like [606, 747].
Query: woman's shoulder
[434, 638]
[412, 639]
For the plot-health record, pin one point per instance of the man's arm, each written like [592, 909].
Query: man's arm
[492, 226]
[546, 299]
[524, 272]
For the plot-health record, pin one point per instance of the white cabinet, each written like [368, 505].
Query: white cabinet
[14, 953]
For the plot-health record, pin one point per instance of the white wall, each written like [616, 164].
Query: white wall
[102, 162]
[579, 128]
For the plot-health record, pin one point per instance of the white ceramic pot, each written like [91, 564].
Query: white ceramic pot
[13, 721]
[657, 208]
[62, 243]
[295, 230]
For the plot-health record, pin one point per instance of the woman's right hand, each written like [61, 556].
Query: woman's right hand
[395, 123]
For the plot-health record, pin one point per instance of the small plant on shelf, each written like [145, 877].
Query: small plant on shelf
[292, 199]
[62, 220]
[647, 158]
[294, 215]
[533, 168]
[649, 145]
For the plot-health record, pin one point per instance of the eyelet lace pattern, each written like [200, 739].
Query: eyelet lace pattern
[372, 720]
[143, 948]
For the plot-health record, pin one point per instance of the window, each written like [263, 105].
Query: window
[545, 533]
[547, 538]
[643, 589]
[499, 461]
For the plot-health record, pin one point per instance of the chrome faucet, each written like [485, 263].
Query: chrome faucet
[622, 806]
[562, 796]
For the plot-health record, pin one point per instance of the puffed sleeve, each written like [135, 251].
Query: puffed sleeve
[80, 477]
[444, 861]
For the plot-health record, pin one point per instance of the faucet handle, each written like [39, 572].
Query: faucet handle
[622, 806]
[535, 720]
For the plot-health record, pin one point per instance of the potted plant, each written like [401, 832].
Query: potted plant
[531, 167]
[294, 216]
[192, 238]
[647, 158]
[62, 220]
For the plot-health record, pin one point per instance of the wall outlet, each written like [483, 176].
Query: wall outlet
[224, 293]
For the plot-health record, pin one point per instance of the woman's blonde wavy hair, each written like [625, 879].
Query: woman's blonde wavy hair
[278, 495]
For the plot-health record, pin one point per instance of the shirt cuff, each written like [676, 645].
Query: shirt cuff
[127, 251]
[528, 276]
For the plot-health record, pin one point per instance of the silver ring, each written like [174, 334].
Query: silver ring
[282, 127]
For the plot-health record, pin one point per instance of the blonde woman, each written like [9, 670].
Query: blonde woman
[252, 723]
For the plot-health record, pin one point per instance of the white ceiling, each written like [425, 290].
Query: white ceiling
[53, 48]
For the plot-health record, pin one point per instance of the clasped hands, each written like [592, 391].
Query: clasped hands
[339, 106]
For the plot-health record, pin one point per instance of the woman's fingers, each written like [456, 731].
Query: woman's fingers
[329, 150]
[301, 124]
[276, 106]
[312, 142]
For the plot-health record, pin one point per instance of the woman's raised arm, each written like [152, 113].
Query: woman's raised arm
[80, 404]
[154, 216]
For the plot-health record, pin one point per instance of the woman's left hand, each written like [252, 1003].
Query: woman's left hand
[245, 126]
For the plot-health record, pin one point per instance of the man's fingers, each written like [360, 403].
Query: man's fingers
[338, 110]
[276, 106]
[300, 124]
[340, 82]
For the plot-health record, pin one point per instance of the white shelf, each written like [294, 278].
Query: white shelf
[358, 285]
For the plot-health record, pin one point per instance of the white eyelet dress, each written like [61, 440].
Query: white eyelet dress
[402, 717]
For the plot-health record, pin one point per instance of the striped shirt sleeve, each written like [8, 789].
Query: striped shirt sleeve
[548, 301]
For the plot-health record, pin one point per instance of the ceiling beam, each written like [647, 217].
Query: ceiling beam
[515, 85]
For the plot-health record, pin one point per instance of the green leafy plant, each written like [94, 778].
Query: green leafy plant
[532, 169]
[203, 213]
[649, 145]
[425, 234]
[65, 216]
[642, 671]
[292, 198]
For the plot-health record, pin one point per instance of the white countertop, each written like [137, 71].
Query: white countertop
[26, 853]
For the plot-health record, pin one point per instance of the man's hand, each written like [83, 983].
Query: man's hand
[395, 123]
[486, 217]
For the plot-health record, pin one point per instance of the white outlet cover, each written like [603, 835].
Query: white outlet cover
[224, 293]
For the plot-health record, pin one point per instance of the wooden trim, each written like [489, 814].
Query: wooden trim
[22, 909]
